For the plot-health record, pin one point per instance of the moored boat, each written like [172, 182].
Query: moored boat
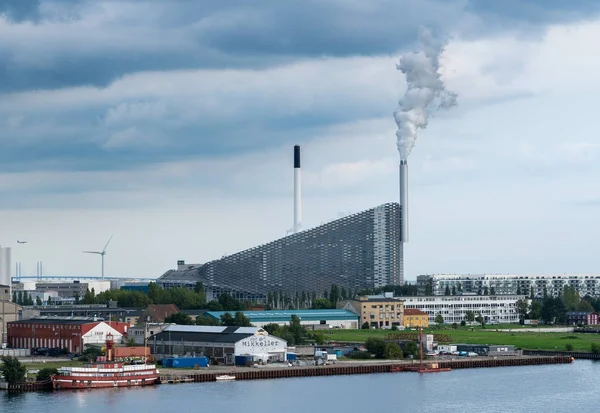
[225, 377]
[105, 374]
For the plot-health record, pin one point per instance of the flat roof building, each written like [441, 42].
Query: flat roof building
[221, 344]
[329, 317]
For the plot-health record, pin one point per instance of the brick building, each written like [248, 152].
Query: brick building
[71, 333]
[582, 317]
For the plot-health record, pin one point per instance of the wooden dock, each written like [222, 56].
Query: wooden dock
[353, 368]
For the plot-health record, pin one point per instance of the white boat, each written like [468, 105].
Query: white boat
[225, 377]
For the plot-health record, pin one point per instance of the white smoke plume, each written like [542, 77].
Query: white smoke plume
[425, 93]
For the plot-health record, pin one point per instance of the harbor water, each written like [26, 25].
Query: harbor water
[548, 388]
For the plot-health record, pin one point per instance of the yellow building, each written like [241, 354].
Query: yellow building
[415, 318]
[379, 312]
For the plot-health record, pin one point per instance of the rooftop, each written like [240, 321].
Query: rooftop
[286, 315]
[413, 311]
[57, 320]
[205, 334]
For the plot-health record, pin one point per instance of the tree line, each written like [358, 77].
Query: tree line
[553, 310]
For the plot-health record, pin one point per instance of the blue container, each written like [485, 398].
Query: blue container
[241, 360]
[185, 362]
[291, 357]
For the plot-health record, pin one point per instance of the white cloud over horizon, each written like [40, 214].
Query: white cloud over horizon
[193, 161]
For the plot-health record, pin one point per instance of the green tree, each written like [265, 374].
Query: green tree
[214, 306]
[76, 297]
[486, 291]
[453, 290]
[203, 320]
[240, 320]
[595, 348]
[492, 291]
[535, 311]
[200, 291]
[376, 346]
[470, 316]
[271, 328]
[38, 300]
[531, 294]
[20, 298]
[460, 287]
[12, 369]
[519, 290]
[522, 309]
[46, 374]
[89, 297]
[334, 295]
[571, 298]
[585, 305]
[14, 297]
[393, 351]
[365, 326]
[227, 319]
[447, 291]
[439, 319]
[321, 304]
[296, 329]
[411, 349]
[344, 293]
[428, 289]
[179, 318]
[480, 319]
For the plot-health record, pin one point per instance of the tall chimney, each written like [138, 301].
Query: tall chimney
[297, 190]
[403, 201]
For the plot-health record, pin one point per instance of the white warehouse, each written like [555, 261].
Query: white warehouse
[494, 309]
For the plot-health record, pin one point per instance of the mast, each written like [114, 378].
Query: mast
[421, 347]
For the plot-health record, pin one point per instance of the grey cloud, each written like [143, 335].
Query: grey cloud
[130, 36]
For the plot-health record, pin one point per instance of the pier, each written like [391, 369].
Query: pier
[346, 368]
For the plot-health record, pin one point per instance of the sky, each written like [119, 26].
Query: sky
[169, 124]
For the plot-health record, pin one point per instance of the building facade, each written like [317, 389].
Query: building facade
[9, 311]
[493, 309]
[359, 251]
[308, 318]
[582, 317]
[553, 284]
[415, 318]
[221, 344]
[378, 312]
[69, 333]
[5, 266]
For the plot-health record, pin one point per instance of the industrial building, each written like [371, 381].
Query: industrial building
[308, 318]
[415, 318]
[61, 289]
[72, 333]
[5, 266]
[9, 311]
[493, 309]
[379, 311]
[221, 344]
[355, 252]
[552, 284]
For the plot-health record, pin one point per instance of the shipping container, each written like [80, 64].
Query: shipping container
[291, 357]
[185, 362]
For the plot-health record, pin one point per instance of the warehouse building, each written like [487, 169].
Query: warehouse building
[71, 333]
[221, 344]
[495, 309]
[362, 250]
[378, 311]
[308, 318]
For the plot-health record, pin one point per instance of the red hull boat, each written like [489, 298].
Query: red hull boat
[105, 374]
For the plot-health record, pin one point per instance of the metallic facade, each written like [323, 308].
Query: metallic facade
[359, 251]
[552, 284]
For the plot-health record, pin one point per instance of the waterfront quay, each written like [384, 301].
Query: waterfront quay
[172, 376]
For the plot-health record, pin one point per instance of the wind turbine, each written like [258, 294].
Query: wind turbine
[101, 253]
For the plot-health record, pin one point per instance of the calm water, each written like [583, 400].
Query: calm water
[556, 388]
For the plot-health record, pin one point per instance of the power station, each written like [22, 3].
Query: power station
[362, 250]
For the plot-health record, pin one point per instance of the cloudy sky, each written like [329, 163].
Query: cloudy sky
[170, 124]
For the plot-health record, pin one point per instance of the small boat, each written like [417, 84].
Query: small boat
[225, 377]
